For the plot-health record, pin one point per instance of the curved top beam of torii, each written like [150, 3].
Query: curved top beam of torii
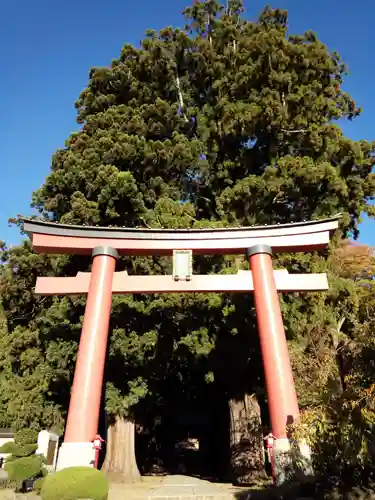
[50, 237]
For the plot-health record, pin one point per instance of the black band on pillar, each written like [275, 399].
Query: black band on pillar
[260, 248]
[105, 251]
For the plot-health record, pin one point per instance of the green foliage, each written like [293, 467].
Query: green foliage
[18, 450]
[38, 485]
[8, 447]
[335, 367]
[23, 463]
[24, 468]
[75, 483]
[243, 131]
[24, 437]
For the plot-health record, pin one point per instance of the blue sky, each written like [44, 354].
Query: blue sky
[48, 47]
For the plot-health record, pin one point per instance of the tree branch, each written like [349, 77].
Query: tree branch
[295, 131]
[180, 98]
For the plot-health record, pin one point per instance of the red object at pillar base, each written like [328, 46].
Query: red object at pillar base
[97, 445]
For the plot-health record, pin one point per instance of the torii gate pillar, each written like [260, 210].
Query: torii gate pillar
[84, 407]
[282, 397]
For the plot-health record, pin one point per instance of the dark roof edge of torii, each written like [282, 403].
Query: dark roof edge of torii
[50, 237]
[31, 226]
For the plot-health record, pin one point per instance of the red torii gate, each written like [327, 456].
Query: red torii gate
[107, 244]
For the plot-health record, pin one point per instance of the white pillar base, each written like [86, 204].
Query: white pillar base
[283, 461]
[291, 460]
[75, 455]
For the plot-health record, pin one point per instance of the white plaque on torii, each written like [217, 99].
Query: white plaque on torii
[182, 265]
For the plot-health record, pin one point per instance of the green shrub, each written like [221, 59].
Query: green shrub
[8, 447]
[26, 436]
[38, 485]
[23, 468]
[23, 464]
[75, 483]
[18, 450]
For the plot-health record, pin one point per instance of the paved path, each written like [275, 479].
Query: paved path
[170, 488]
[156, 488]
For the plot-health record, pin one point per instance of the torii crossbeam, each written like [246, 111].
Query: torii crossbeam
[122, 283]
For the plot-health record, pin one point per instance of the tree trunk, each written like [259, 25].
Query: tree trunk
[246, 440]
[120, 462]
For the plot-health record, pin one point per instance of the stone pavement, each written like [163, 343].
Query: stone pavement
[156, 488]
[171, 488]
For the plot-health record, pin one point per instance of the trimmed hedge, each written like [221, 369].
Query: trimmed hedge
[75, 483]
[38, 485]
[18, 450]
[8, 447]
[26, 436]
[23, 468]
[23, 463]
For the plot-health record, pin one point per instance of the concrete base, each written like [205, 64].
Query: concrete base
[75, 455]
[292, 460]
[283, 461]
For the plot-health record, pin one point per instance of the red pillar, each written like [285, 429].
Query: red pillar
[83, 416]
[282, 398]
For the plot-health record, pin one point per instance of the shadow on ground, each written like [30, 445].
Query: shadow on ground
[319, 489]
